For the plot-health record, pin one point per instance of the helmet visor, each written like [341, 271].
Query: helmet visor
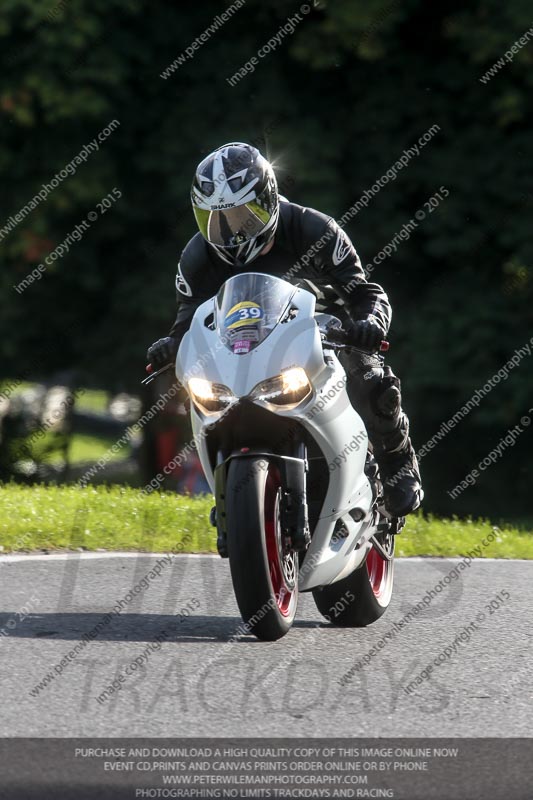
[230, 227]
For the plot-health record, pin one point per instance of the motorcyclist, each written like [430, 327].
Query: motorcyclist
[245, 225]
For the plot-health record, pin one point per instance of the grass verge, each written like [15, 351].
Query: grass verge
[121, 518]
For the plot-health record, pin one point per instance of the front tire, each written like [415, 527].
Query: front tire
[362, 597]
[264, 570]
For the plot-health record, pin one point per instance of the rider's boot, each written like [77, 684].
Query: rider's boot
[400, 476]
[398, 465]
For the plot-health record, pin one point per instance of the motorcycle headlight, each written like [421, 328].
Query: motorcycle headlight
[288, 389]
[211, 398]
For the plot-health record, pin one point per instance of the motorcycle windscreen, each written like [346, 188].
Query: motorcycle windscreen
[248, 307]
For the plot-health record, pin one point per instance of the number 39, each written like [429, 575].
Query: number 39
[246, 313]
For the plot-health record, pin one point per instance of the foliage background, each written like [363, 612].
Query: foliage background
[336, 104]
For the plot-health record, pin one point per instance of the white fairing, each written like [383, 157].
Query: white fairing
[327, 415]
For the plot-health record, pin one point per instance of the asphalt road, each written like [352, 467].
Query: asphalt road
[202, 681]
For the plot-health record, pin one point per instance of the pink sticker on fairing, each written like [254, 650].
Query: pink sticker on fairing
[242, 347]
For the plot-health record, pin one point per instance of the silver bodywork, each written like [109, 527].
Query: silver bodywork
[327, 415]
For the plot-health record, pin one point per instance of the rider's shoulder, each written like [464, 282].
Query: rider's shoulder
[308, 222]
[194, 253]
[193, 269]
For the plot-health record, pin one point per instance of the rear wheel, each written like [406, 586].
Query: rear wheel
[362, 597]
[264, 569]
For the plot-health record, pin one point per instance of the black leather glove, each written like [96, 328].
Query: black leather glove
[162, 352]
[366, 334]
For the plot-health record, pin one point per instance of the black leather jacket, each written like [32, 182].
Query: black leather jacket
[307, 245]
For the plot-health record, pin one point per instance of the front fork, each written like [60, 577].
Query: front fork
[294, 520]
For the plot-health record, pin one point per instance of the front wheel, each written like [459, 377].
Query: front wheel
[362, 597]
[264, 569]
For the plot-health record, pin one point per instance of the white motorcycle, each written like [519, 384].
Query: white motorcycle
[298, 497]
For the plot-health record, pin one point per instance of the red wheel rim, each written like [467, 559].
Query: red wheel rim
[281, 565]
[378, 572]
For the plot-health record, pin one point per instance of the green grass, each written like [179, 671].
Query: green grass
[456, 537]
[119, 518]
[19, 387]
[92, 400]
[83, 448]
[113, 518]
[90, 448]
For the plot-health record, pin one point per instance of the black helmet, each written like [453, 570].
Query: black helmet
[235, 201]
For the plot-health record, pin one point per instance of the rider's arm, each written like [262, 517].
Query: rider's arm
[190, 286]
[190, 293]
[187, 305]
[337, 258]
